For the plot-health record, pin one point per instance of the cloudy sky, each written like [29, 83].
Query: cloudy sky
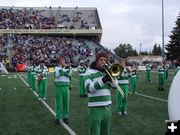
[123, 21]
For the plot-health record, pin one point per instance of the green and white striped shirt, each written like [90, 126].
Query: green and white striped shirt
[161, 70]
[98, 92]
[148, 67]
[44, 72]
[124, 78]
[61, 76]
[81, 70]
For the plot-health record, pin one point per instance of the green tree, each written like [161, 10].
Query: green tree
[125, 50]
[173, 46]
[156, 50]
[144, 53]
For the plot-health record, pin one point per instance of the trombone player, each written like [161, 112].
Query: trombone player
[97, 84]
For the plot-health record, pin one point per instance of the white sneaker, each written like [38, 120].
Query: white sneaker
[39, 98]
[130, 93]
[120, 113]
[125, 113]
[44, 98]
[136, 93]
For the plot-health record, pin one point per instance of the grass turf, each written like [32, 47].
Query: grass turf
[21, 113]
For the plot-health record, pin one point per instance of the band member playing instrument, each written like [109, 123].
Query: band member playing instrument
[148, 72]
[123, 82]
[42, 72]
[33, 76]
[97, 84]
[81, 71]
[161, 72]
[62, 83]
[134, 76]
[166, 67]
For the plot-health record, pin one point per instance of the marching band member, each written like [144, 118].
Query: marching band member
[81, 71]
[166, 67]
[161, 72]
[33, 77]
[133, 81]
[123, 82]
[42, 72]
[148, 72]
[62, 83]
[97, 84]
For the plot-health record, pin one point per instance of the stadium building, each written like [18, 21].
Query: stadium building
[32, 34]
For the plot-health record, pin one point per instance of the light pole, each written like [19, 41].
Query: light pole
[162, 51]
[140, 48]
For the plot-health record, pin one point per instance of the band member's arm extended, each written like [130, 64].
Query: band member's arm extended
[94, 84]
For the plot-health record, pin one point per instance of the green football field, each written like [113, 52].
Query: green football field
[22, 114]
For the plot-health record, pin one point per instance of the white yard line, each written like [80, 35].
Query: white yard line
[71, 132]
[142, 95]
[152, 97]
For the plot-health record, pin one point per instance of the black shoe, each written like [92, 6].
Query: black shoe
[81, 95]
[65, 120]
[85, 95]
[57, 121]
[124, 113]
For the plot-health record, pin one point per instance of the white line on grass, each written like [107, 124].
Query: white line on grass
[152, 97]
[142, 95]
[51, 110]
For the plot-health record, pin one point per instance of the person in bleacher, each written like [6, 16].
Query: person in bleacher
[62, 83]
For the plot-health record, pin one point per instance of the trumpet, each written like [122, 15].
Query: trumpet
[114, 71]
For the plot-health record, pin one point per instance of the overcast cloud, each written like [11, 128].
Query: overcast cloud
[123, 21]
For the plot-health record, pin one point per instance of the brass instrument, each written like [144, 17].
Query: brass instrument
[114, 71]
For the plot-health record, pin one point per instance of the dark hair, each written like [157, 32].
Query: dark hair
[102, 54]
[62, 56]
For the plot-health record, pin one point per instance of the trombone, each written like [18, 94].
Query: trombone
[114, 71]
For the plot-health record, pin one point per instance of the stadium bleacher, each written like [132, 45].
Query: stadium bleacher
[32, 34]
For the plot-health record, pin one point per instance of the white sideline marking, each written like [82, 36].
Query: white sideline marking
[152, 97]
[142, 95]
[51, 110]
